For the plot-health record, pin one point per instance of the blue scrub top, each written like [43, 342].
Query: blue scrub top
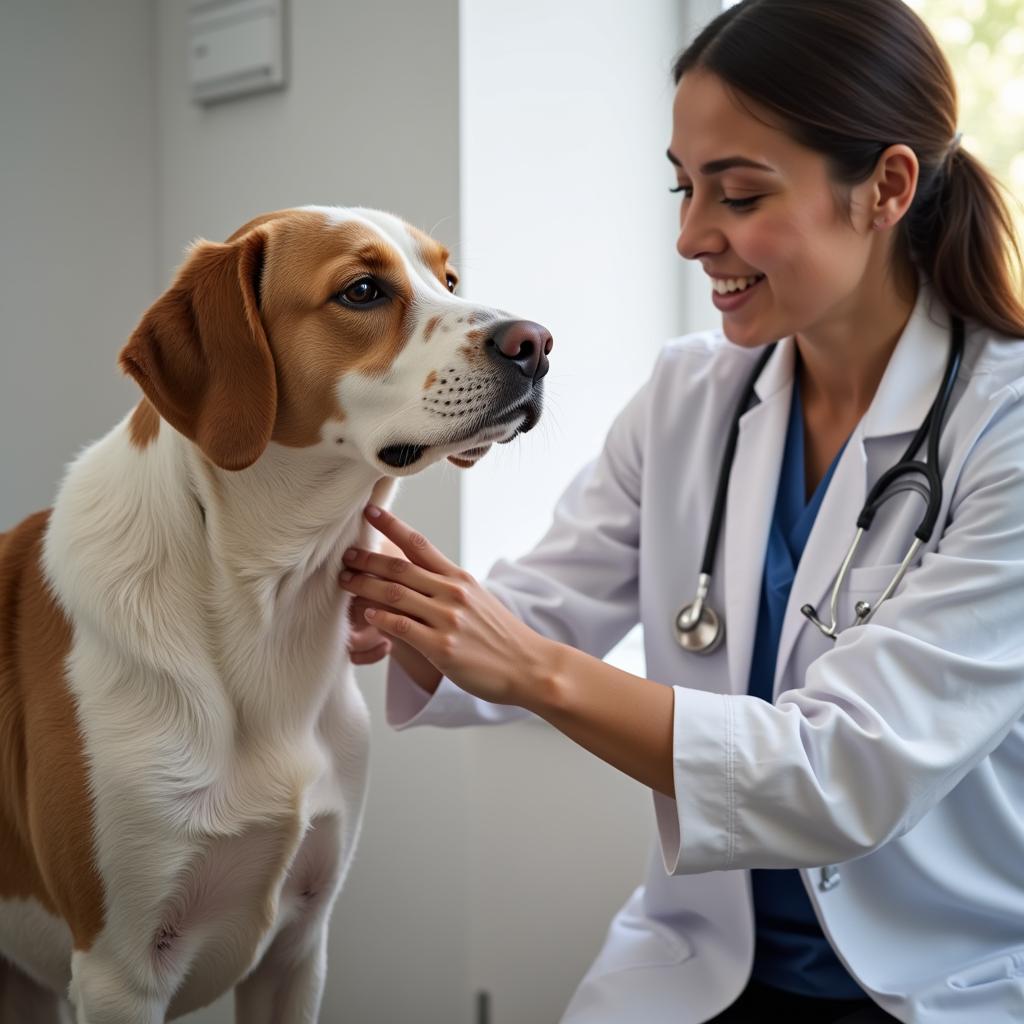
[791, 951]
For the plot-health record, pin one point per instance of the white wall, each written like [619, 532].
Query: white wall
[370, 117]
[567, 219]
[77, 229]
[566, 116]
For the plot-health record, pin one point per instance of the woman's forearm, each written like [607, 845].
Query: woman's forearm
[619, 717]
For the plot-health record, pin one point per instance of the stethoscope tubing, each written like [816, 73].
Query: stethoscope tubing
[699, 629]
[932, 426]
[725, 471]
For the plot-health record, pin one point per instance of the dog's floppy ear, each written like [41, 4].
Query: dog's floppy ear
[202, 357]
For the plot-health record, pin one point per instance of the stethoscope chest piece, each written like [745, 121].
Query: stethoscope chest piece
[699, 629]
[702, 637]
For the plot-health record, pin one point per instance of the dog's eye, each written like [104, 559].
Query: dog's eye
[360, 293]
[451, 281]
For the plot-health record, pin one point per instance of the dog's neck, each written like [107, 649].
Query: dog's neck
[276, 531]
[209, 577]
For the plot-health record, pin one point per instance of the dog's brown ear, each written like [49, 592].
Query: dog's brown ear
[202, 357]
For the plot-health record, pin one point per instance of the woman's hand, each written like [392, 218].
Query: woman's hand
[366, 644]
[429, 603]
[431, 609]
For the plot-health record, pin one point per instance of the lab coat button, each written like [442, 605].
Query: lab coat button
[829, 878]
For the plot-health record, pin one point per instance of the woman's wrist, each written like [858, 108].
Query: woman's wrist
[541, 686]
[624, 719]
[415, 666]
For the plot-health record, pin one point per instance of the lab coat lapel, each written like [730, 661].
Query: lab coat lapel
[907, 389]
[749, 505]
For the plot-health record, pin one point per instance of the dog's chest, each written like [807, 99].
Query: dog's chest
[273, 883]
[241, 895]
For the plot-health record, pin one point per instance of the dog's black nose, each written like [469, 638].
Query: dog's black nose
[524, 343]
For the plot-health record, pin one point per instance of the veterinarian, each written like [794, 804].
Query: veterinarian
[839, 790]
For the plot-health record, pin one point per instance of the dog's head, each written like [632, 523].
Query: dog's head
[338, 330]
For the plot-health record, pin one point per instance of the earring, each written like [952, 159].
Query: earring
[880, 222]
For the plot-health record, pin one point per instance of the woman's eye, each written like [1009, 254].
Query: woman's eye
[451, 281]
[361, 292]
[733, 204]
[741, 204]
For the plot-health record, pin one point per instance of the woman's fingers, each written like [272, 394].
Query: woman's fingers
[402, 628]
[372, 656]
[409, 596]
[379, 593]
[361, 635]
[397, 569]
[416, 547]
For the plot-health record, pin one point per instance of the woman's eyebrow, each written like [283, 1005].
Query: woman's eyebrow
[724, 164]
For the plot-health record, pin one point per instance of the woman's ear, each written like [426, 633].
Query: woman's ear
[895, 185]
[201, 354]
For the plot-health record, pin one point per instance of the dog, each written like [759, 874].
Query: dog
[183, 746]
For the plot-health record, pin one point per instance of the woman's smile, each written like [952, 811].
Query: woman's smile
[730, 293]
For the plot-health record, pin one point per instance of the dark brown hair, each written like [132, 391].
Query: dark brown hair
[848, 79]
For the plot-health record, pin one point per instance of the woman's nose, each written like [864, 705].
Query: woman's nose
[697, 236]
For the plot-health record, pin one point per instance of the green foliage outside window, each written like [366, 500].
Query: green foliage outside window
[984, 41]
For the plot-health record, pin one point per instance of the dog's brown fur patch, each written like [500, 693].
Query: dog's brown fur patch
[46, 810]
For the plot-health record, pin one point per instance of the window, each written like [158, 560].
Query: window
[984, 41]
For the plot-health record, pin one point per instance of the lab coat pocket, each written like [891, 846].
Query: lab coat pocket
[868, 581]
[986, 972]
[638, 941]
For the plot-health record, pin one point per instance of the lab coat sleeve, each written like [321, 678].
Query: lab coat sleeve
[889, 720]
[577, 586]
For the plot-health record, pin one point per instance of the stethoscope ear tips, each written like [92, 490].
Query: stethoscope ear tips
[811, 613]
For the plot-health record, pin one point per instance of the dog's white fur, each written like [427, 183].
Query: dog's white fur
[225, 738]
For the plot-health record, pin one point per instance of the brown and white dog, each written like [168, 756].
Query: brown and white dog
[182, 745]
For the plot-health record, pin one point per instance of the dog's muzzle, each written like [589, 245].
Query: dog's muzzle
[518, 350]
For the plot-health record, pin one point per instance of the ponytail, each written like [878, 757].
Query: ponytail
[964, 242]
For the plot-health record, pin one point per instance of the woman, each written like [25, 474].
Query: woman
[870, 787]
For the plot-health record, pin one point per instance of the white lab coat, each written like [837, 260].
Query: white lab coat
[896, 753]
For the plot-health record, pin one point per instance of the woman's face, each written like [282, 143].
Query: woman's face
[774, 232]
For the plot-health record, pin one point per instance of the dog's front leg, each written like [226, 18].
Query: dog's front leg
[286, 986]
[104, 992]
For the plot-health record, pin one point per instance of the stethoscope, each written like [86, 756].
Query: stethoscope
[699, 628]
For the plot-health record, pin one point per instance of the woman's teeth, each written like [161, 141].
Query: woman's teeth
[734, 284]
